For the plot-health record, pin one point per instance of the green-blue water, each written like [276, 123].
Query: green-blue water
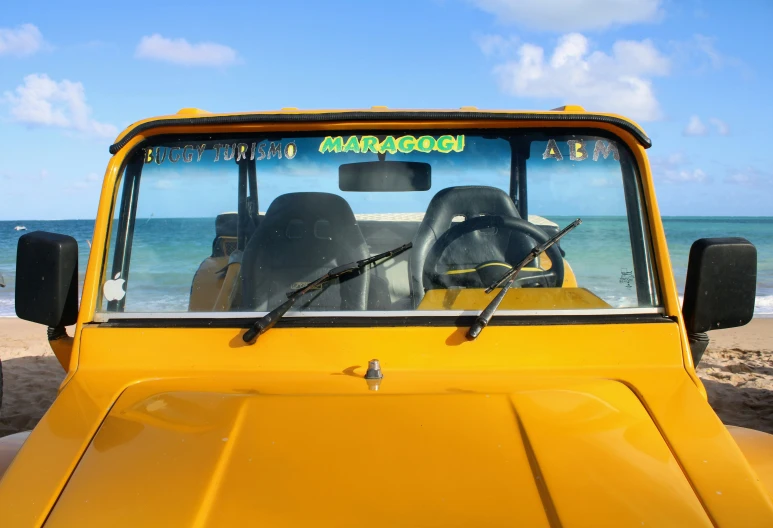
[593, 250]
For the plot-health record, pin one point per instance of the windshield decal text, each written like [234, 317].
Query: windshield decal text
[392, 144]
[264, 150]
[604, 150]
[578, 150]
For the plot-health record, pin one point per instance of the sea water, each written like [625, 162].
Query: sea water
[593, 250]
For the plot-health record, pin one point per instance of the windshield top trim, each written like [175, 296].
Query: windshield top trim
[326, 117]
[103, 317]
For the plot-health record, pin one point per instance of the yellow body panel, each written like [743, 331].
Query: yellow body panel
[532, 425]
[570, 279]
[448, 458]
[585, 396]
[758, 449]
[516, 299]
[207, 284]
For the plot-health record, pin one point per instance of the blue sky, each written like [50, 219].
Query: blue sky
[695, 74]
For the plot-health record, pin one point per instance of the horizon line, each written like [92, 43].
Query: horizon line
[410, 212]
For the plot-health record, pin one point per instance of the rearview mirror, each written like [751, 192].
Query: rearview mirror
[47, 279]
[385, 176]
[720, 288]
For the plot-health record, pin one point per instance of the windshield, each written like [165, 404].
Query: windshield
[235, 225]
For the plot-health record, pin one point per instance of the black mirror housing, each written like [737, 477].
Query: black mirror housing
[721, 284]
[47, 279]
[385, 176]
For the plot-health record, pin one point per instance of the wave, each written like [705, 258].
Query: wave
[6, 308]
[763, 305]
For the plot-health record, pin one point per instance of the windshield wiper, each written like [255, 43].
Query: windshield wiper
[269, 320]
[509, 278]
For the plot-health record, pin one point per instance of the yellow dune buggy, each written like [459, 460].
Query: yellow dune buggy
[382, 318]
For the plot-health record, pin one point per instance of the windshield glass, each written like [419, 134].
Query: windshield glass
[236, 224]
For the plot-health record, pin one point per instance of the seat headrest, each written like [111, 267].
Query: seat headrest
[315, 211]
[225, 224]
[468, 201]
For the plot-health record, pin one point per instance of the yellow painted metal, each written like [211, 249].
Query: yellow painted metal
[604, 424]
[207, 284]
[192, 112]
[570, 108]
[585, 396]
[570, 279]
[228, 292]
[662, 261]
[433, 458]
[516, 299]
[758, 449]
[9, 447]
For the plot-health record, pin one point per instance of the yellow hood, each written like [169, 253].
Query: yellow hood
[514, 453]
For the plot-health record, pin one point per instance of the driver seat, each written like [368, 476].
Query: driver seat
[473, 248]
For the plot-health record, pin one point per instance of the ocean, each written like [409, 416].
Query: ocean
[189, 241]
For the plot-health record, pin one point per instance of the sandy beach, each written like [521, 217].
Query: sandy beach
[737, 371]
[31, 374]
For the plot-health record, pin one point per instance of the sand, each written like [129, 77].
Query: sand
[31, 375]
[737, 371]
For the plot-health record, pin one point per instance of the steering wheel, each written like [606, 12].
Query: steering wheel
[554, 277]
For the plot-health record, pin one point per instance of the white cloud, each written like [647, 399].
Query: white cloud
[24, 40]
[672, 160]
[721, 126]
[45, 102]
[180, 51]
[695, 127]
[742, 178]
[671, 169]
[686, 176]
[494, 45]
[700, 55]
[705, 45]
[620, 82]
[750, 176]
[571, 15]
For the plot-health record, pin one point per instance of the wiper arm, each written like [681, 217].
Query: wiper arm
[269, 320]
[509, 278]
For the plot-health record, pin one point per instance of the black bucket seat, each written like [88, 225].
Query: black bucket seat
[301, 237]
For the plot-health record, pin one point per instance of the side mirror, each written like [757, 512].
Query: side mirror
[47, 279]
[720, 288]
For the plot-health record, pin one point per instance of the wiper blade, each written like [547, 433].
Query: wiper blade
[269, 320]
[509, 278]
